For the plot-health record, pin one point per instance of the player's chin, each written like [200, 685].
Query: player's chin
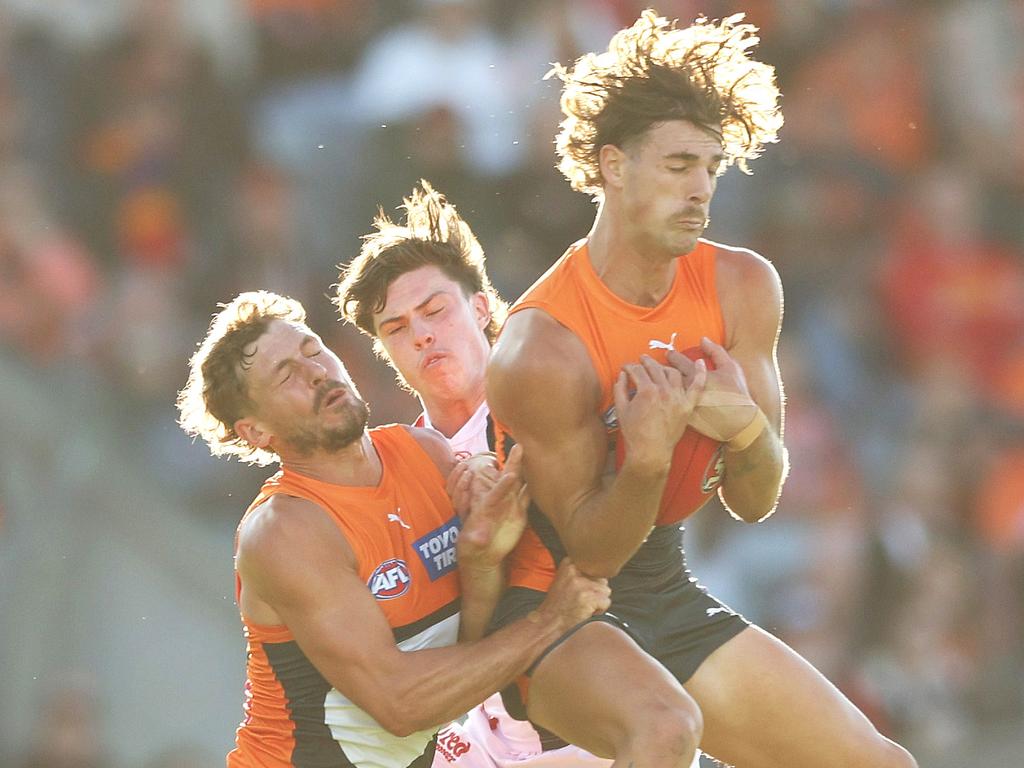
[446, 378]
[684, 241]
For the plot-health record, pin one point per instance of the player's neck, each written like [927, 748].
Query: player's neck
[637, 276]
[354, 465]
[450, 415]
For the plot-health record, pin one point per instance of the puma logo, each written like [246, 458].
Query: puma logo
[394, 518]
[666, 345]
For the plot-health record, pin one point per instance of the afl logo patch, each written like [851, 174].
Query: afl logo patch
[714, 472]
[389, 580]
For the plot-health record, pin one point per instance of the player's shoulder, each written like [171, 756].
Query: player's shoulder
[532, 341]
[281, 525]
[434, 444]
[744, 266]
[540, 372]
[749, 292]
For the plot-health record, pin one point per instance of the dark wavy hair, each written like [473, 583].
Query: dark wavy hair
[653, 72]
[433, 234]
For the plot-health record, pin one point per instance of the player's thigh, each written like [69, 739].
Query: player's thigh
[764, 706]
[599, 689]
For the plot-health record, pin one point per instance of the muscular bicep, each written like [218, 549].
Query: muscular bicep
[752, 306]
[296, 561]
[547, 396]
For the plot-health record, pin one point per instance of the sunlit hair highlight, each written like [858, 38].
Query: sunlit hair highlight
[216, 394]
[433, 234]
[653, 72]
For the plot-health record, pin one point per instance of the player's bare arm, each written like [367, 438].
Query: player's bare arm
[750, 294]
[542, 386]
[298, 569]
[492, 505]
[496, 502]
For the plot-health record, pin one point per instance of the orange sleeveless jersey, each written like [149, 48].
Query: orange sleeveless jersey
[615, 333]
[403, 533]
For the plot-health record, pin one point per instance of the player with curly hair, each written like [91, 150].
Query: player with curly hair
[353, 573]
[639, 375]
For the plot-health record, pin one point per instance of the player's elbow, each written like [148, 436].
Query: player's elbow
[598, 567]
[751, 505]
[758, 516]
[599, 554]
[403, 728]
[399, 719]
[750, 512]
[389, 704]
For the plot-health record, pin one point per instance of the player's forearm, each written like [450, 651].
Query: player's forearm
[754, 477]
[608, 529]
[481, 590]
[423, 689]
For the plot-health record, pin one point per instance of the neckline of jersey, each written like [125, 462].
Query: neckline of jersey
[608, 297]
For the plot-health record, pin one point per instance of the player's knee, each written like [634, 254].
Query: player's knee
[670, 733]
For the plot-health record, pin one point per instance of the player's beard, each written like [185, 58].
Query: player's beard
[331, 439]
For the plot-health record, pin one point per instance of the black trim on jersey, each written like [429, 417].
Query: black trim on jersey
[492, 438]
[305, 690]
[538, 520]
[546, 533]
[442, 613]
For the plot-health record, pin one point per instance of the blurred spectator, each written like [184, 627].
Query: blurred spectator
[924, 666]
[1000, 506]
[48, 282]
[266, 241]
[154, 140]
[68, 731]
[952, 294]
[299, 39]
[865, 91]
[444, 56]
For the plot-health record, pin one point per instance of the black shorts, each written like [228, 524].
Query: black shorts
[675, 621]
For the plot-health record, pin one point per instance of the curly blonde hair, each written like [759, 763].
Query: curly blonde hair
[433, 235]
[216, 394]
[653, 72]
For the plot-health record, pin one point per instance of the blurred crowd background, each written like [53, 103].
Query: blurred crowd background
[159, 156]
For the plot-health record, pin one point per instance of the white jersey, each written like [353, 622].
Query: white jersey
[471, 437]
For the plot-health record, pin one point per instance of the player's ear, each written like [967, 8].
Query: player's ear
[250, 430]
[481, 309]
[611, 160]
